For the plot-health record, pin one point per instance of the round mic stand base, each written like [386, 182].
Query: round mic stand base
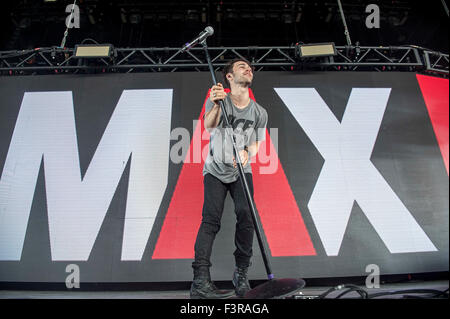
[276, 288]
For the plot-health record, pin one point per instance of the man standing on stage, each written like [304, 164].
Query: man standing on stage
[221, 175]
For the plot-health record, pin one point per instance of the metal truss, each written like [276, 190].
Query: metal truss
[436, 61]
[127, 60]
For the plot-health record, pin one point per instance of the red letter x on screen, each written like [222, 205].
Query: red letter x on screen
[280, 216]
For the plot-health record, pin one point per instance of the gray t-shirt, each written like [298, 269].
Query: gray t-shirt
[249, 125]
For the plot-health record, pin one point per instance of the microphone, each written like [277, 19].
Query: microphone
[201, 37]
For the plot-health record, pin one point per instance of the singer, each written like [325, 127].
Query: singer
[248, 120]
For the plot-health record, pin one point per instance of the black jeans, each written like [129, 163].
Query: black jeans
[215, 192]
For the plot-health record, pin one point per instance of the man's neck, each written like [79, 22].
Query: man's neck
[240, 96]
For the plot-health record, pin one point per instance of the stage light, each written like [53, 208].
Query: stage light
[273, 15]
[91, 16]
[315, 50]
[287, 18]
[24, 23]
[177, 17]
[204, 15]
[93, 50]
[246, 16]
[192, 15]
[219, 14]
[329, 16]
[259, 15]
[299, 15]
[231, 14]
[123, 15]
[135, 18]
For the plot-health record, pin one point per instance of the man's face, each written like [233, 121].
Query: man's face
[242, 74]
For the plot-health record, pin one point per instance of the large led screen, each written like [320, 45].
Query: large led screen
[105, 172]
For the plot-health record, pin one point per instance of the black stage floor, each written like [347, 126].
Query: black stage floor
[424, 290]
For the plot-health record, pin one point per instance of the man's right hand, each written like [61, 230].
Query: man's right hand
[217, 93]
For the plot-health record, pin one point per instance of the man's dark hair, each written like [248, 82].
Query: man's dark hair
[228, 68]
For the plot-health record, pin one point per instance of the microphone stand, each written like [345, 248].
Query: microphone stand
[274, 287]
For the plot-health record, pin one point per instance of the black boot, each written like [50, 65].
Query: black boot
[240, 281]
[203, 288]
